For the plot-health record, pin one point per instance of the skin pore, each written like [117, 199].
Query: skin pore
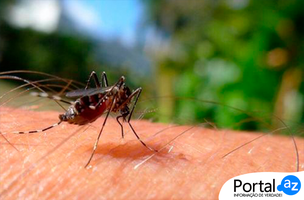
[51, 164]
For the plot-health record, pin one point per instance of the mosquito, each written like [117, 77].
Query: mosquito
[91, 103]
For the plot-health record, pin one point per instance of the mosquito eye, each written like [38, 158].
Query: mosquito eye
[77, 106]
[62, 117]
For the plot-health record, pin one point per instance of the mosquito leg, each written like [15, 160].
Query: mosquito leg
[150, 148]
[94, 76]
[137, 93]
[103, 125]
[37, 131]
[121, 126]
[104, 79]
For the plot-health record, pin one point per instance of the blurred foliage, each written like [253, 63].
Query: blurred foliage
[232, 52]
[206, 56]
[51, 53]
[66, 52]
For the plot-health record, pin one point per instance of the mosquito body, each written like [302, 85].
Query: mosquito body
[91, 103]
[96, 102]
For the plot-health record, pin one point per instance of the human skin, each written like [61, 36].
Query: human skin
[50, 165]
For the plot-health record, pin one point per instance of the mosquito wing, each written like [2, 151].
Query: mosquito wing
[87, 92]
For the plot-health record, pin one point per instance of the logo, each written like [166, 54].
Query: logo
[290, 185]
[264, 185]
[254, 187]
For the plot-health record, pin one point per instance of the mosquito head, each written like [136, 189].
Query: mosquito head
[62, 117]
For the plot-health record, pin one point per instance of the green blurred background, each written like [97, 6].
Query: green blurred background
[240, 53]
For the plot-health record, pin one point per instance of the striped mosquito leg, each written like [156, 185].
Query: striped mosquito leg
[38, 131]
[95, 78]
[54, 97]
[104, 79]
